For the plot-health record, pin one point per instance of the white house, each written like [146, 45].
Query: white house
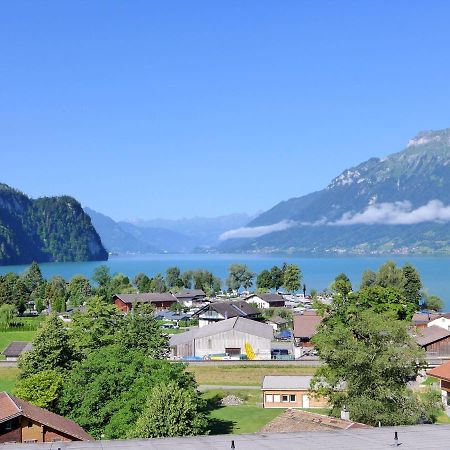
[443, 322]
[265, 301]
[229, 336]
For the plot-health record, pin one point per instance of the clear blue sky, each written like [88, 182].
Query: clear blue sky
[201, 108]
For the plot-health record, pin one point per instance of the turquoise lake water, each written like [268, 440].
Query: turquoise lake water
[318, 272]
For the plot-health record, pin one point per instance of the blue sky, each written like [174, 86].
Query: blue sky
[201, 108]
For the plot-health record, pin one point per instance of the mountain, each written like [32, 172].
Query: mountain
[395, 204]
[162, 235]
[45, 229]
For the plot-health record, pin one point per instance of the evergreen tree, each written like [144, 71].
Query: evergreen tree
[412, 285]
[276, 275]
[52, 349]
[173, 277]
[292, 277]
[78, 290]
[264, 280]
[33, 277]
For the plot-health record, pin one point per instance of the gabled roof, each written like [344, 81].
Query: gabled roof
[428, 335]
[237, 323]
[277, 320]
[151, 297]
[305, 325]
[424, 318]
[442, 372]
[11, 407]
[269, 298]
[286, 382]
[230, 309]
[189, 293]
[16, 348]
[170, 315]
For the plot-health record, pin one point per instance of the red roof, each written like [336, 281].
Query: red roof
[11, 407]
[305, 325]
[442, 372]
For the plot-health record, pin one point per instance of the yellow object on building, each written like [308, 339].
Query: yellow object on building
[249, 351]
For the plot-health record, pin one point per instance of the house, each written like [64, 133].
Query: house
[231, 337]
[215, 312]
[289, 391]
[265, 301]
[170, 316]
[442, 373]
[434, 340]
[277, 323]
[13, 351]
[442, 321]
[305, 327]
[296, 420]
[21, 421]
[191, 297]
[421, 320]
[125, 302]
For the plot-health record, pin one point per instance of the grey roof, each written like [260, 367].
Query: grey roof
[151, 297]
[428, 335]
[16, 348]
[230, 309]
[269, 298]
[286, 382]
[190, 293]
[417, 437]
[236, 323]
[170, 315]
[276, 319]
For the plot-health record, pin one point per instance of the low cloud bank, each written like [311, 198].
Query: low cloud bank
[253, 232]
[398, 213]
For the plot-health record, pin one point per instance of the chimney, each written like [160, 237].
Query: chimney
[345, 415]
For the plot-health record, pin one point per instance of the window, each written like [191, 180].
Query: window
[269, 398]
[292, 398]
[276, 398]
[233, 351]
[30, 424]
[285, 398]
[8, 426]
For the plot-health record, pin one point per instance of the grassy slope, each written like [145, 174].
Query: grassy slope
[242, 375]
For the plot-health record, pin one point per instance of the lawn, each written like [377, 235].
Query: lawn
[8, 377]
[246, 375]
[6, 337]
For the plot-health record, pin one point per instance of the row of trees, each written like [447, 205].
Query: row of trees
[128, 388]
[368, 352]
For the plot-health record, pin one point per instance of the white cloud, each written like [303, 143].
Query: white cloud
[398, 213]
[252, 232]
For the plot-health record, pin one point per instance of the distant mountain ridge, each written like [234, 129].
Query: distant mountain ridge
[396, 204]
[45, 229]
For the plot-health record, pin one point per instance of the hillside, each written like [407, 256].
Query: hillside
[395, 204]
[45, 229]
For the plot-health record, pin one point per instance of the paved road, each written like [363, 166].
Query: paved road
[210, 387]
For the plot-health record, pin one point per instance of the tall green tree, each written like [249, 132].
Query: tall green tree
[52, 349]
[7, 315]
[292, 278]
[56, 294]
[239, 276]
[434, 303]
[369, 278]
[158, 284]
[264, 281]
[389, 275]
[171, 411]
[142, 282]
[173, 279]
[78, 290]
[32, 278]
[412, 285]
[277, 277]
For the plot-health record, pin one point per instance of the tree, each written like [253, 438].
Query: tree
[78, 290]
[369, 278]
[292, 278]
[142, 282]
[171, 411]
[412, 285]
[102, 277]
[374, 357]
[140, 331]
[342, 285]
[106, 392]
[186, 278]
[158, 284]
[264, 281]
[56, 294]
[7, 315]
[32, 278]
[94, 328]
[239, 276]
[276, 275]
[173, 277]
[52, 349]
[434, 303]
[41, 388]
[389, 275]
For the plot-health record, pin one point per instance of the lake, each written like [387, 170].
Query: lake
[318, 272]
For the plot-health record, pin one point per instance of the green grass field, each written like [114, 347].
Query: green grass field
[6, 337]
[8, 378]
[246, 375]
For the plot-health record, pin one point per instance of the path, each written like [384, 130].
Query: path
[210, 387]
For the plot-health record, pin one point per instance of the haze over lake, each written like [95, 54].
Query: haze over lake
[318, 273]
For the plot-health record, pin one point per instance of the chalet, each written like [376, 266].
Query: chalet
[215, 312]
[305, 327]
[13, 351]
[125, 302]
[434, 340]
[231, 338]
[265, 301]
[21, 421]
[191, 297]
[287, 391]
[442, 373]
[421, 320]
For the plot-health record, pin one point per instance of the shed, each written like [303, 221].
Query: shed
[13, 351]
